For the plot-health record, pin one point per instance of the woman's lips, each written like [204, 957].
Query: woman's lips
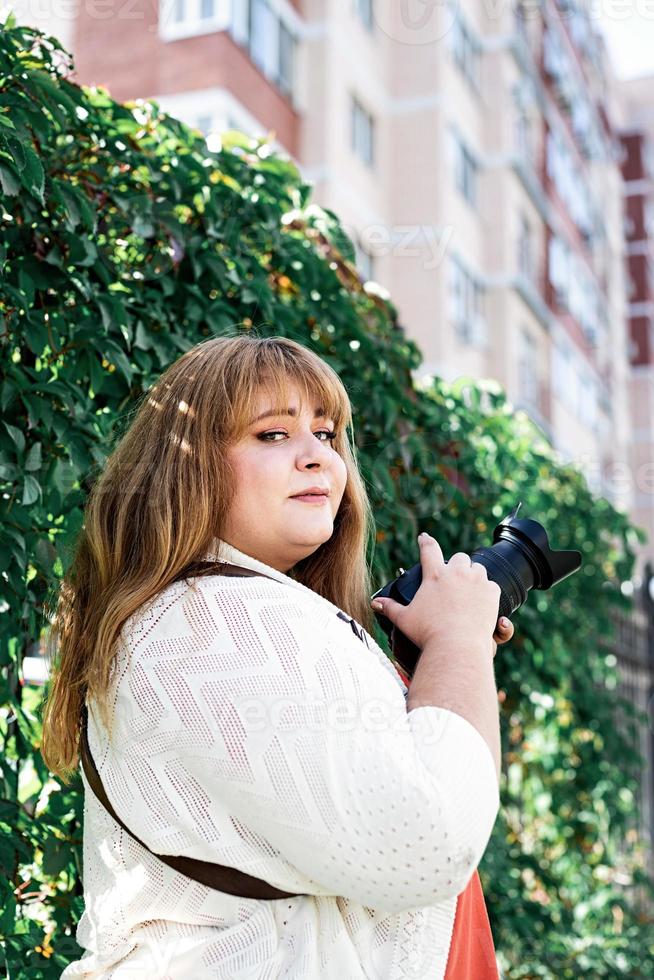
[312, 498]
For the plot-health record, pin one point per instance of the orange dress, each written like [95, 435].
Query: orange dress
[472, 952]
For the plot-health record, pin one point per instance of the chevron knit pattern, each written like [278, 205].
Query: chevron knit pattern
[253, 728]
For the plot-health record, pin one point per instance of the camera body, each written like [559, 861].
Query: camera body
[520, 559]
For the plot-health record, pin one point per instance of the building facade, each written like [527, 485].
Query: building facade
[637, 138]
[473, 154]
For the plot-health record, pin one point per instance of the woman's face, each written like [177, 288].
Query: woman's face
[277, 458]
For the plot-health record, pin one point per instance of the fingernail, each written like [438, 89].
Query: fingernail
[377, 604]
[504, 622]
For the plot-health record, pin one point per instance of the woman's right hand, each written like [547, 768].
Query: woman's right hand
[455, 604]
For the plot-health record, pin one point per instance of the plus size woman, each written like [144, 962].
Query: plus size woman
[214, 633]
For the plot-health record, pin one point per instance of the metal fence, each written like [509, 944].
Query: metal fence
[633, 646]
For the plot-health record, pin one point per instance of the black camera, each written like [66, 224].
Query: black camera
[519, 559]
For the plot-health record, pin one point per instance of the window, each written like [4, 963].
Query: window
[466, 50]
[523, 137]
[466, 305]
[521, 16]
[268, 40]
[575, 287]
[587, 400]
[286, 48]
[525, 250]
[264, 37]
[528, 370]
[571, 185]
[239, 26]
[253, 24]
[362, 132]
[562, 371]
[365, 261]
[628, 226]
[648, 157]
[648, 217]
[465, 170]
[364, 12]
[204, 124]
[183, 18]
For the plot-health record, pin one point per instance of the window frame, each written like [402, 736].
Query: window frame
[466, 170]
[466, 51]
[364, 11]
[466, 302]
[277, 59]
[359, 111]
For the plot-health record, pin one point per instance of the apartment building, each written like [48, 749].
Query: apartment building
[637, 139]
[470, 151]
[636, 125]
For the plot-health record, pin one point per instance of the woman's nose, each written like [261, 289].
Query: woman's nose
[315, 450]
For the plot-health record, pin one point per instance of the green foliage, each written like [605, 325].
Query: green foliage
[123, 242]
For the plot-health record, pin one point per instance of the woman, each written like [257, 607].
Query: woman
[240, 720]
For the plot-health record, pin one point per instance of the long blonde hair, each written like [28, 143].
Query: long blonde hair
[164, 496]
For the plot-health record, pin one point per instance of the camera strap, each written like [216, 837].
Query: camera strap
[217, 876]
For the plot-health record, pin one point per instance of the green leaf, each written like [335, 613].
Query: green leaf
[16, 435]
[54, 95]
[82, 251]
[33, 458]
[17, 151]
[9, 181]
[27, 286]
[112, 311]
[7, 394]
[56, 855]
[142, 337]
[36, 333]
[8, 906]
[96, 371]
[122, 363]
[143, 226]
[31, 491]
[32, 175]
[64, 476]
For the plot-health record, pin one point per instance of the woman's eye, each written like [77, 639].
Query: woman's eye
[264, 436]
[329, 436]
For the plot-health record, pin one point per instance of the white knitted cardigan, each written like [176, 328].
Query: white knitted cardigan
[252, 728]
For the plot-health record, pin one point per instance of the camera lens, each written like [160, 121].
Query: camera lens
[520, 559]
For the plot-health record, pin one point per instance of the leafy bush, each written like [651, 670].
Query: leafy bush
[124, 241]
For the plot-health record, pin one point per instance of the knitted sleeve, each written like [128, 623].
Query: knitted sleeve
[245, 703]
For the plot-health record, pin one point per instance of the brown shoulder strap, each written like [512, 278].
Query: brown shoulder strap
[218, 876]
[199, 568]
